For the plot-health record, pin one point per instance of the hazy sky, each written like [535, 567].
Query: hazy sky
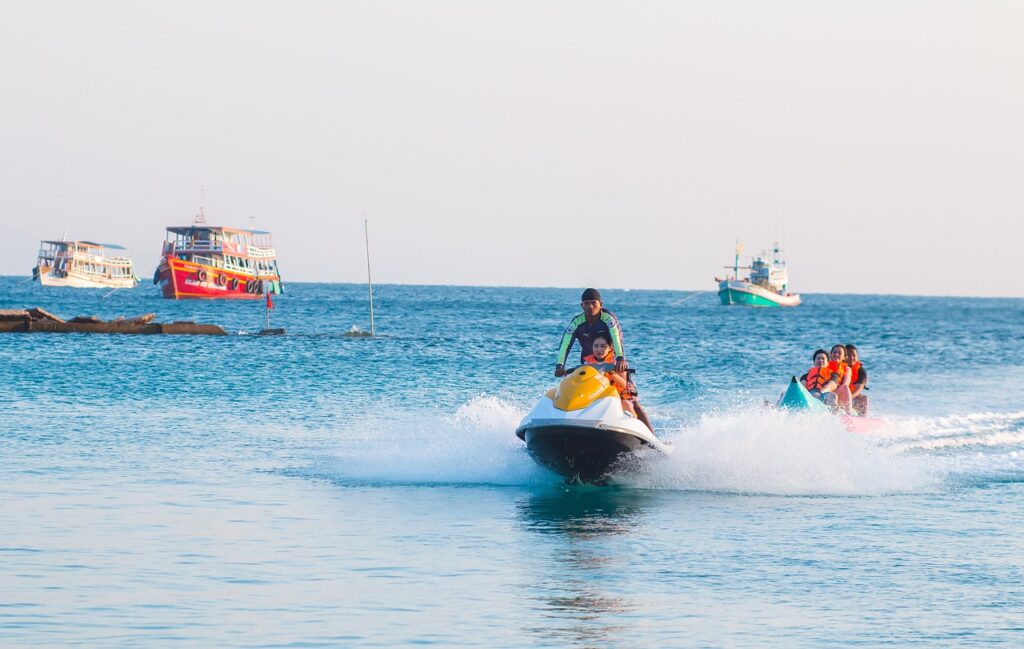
[547, 143]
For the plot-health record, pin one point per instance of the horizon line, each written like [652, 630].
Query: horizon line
[610, 288]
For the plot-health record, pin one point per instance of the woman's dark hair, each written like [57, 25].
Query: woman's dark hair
[819, 351]
[851, 348]
[606, 337]
[840, 346]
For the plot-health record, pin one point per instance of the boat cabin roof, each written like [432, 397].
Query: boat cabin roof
[186, 229]
[86, 244]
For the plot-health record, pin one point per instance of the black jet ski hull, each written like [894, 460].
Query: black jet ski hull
[580, 454]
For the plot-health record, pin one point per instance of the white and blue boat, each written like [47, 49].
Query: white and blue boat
[767, 284]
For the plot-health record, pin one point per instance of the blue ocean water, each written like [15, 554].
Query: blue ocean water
[318, 489]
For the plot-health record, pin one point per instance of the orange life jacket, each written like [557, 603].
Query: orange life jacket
[615, 378]
[817, 378]
[838, 370]
[855, 372]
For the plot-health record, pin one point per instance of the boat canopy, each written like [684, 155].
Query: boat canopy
[186, 229]
[86, 244]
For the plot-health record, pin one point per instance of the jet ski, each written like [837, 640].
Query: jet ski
[580, 430]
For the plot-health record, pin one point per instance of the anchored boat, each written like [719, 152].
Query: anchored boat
[216, 262]
[767, 284]
[83, 264]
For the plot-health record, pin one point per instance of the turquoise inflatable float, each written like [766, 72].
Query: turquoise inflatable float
[796, 397]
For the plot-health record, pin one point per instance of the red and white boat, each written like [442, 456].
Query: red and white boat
[215, 262]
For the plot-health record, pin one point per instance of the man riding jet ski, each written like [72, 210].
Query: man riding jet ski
[593, 322]
[581, 428]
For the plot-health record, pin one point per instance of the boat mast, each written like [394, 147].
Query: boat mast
[201, 217]
[736, 261]
[369, 280]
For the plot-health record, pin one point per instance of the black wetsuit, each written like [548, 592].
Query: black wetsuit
[579, 329]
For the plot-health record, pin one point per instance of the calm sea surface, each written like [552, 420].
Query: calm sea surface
[317, 489]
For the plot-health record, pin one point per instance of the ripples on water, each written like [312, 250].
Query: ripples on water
[318, 489]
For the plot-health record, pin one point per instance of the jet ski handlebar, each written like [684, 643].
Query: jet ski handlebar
[600, 367]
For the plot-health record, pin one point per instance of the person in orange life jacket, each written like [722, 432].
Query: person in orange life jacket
[858, 381]
[841, 371]
[819, 380]
[602, 354]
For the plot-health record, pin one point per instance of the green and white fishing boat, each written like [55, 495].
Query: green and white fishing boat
[767, 284]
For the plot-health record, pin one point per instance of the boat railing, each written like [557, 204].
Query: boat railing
[199, 245]
[250, 270]
[103, 271]
[100, 259]
[81, 259]
[210, 247]
[207, 261]
[238, 268]
[56, 253]
[261, 253]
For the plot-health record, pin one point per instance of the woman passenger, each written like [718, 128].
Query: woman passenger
[841, 371]
[603, 354]
[819, 380]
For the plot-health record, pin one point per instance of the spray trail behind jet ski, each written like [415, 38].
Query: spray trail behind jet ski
[738, 451]
[475, 445]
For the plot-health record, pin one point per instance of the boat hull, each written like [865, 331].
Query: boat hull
[182, 280]
[73, 280]
[739, 293]
[585, 445]
[578, 454]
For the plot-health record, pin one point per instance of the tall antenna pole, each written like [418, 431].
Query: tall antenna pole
[201, 217]
[369, 280]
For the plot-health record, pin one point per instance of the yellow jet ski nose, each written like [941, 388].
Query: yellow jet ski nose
[582, 387]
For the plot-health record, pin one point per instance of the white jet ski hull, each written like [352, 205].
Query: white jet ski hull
[585, 445]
